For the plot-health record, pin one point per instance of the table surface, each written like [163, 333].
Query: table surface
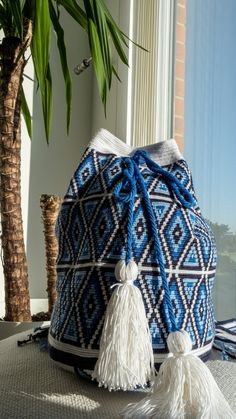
[34, 386]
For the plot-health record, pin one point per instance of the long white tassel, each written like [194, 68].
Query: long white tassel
[184, 388]
[125, 357]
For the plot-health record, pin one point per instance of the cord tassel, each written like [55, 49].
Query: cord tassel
[183, 389]
[126, 358]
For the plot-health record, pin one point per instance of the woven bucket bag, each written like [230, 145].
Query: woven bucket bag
[127, 204]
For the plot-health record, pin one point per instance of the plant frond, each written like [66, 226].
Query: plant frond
[103, 33]
[17, 17]
[135, 43]
[26, 113]
[116, 74]
[47, 104]
[117, 35]
[96, 52]
[74, 11]
[40, 47]
[63, 57]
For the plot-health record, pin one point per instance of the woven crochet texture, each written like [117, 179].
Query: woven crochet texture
[33, 386]
[92, 233]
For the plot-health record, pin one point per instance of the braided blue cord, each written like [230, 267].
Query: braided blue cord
[130, 184]
[183, 195]
[168, 312]
[126, 191]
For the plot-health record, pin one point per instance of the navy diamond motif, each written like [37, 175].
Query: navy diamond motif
[95, 187]
[89, 209]
[117, 250]
[65, 251]
[189, 289]
[76, 230]
[157, 336]
[103, 227]
[191, 260]
[86, 252]
[201, 231]
[113, 172]
[161, 188]
[91, 307]
[177, 234]
[154, 287]
[200, 310]
[101, 160]
[71, 332]
[85, 171]
[180, 174]
[140, 232]
[177, 303]
[160, 210]
[189, 328]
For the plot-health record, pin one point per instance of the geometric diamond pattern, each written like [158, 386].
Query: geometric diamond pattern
[177, 234]
[92, 235]
[192, 259]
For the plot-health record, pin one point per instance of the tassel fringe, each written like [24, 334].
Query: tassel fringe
[184, 388]
[126, 358]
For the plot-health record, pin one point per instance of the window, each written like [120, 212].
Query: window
[210, 126]
[150, 96]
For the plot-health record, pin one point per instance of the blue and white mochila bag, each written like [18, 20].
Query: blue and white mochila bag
[136, 267]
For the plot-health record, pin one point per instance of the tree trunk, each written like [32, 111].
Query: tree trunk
[13, 248]
[50, 205]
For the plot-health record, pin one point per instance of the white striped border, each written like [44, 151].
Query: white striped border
[93, 353]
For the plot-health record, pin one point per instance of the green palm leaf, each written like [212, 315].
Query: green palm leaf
[22, 4]
[95, 19]
[16, 10]
[117, 35]
[74, 11]
[96, 53]
[101, 24]
[26, 113]
[63, 57]
[40, 53]
[47, 104]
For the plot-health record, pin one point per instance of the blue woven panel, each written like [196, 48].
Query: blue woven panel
[92, 235]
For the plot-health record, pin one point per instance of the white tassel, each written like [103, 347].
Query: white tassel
[184, 388]
[125, 357]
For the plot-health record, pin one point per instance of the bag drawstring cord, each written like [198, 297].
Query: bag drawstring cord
[126, 190]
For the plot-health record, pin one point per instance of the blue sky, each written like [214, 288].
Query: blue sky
[210, 106]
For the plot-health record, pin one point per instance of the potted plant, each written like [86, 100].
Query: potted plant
[26, 24]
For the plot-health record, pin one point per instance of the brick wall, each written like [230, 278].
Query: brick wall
[178, 123]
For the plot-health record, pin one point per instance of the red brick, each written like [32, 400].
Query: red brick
[179, 125]
[181, 14]
[180, 33]
[179, 107]
[180, 51]
[179, 69]
[179, 88]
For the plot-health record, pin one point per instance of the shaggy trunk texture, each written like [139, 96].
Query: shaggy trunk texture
[13, 248]
[50, 208]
